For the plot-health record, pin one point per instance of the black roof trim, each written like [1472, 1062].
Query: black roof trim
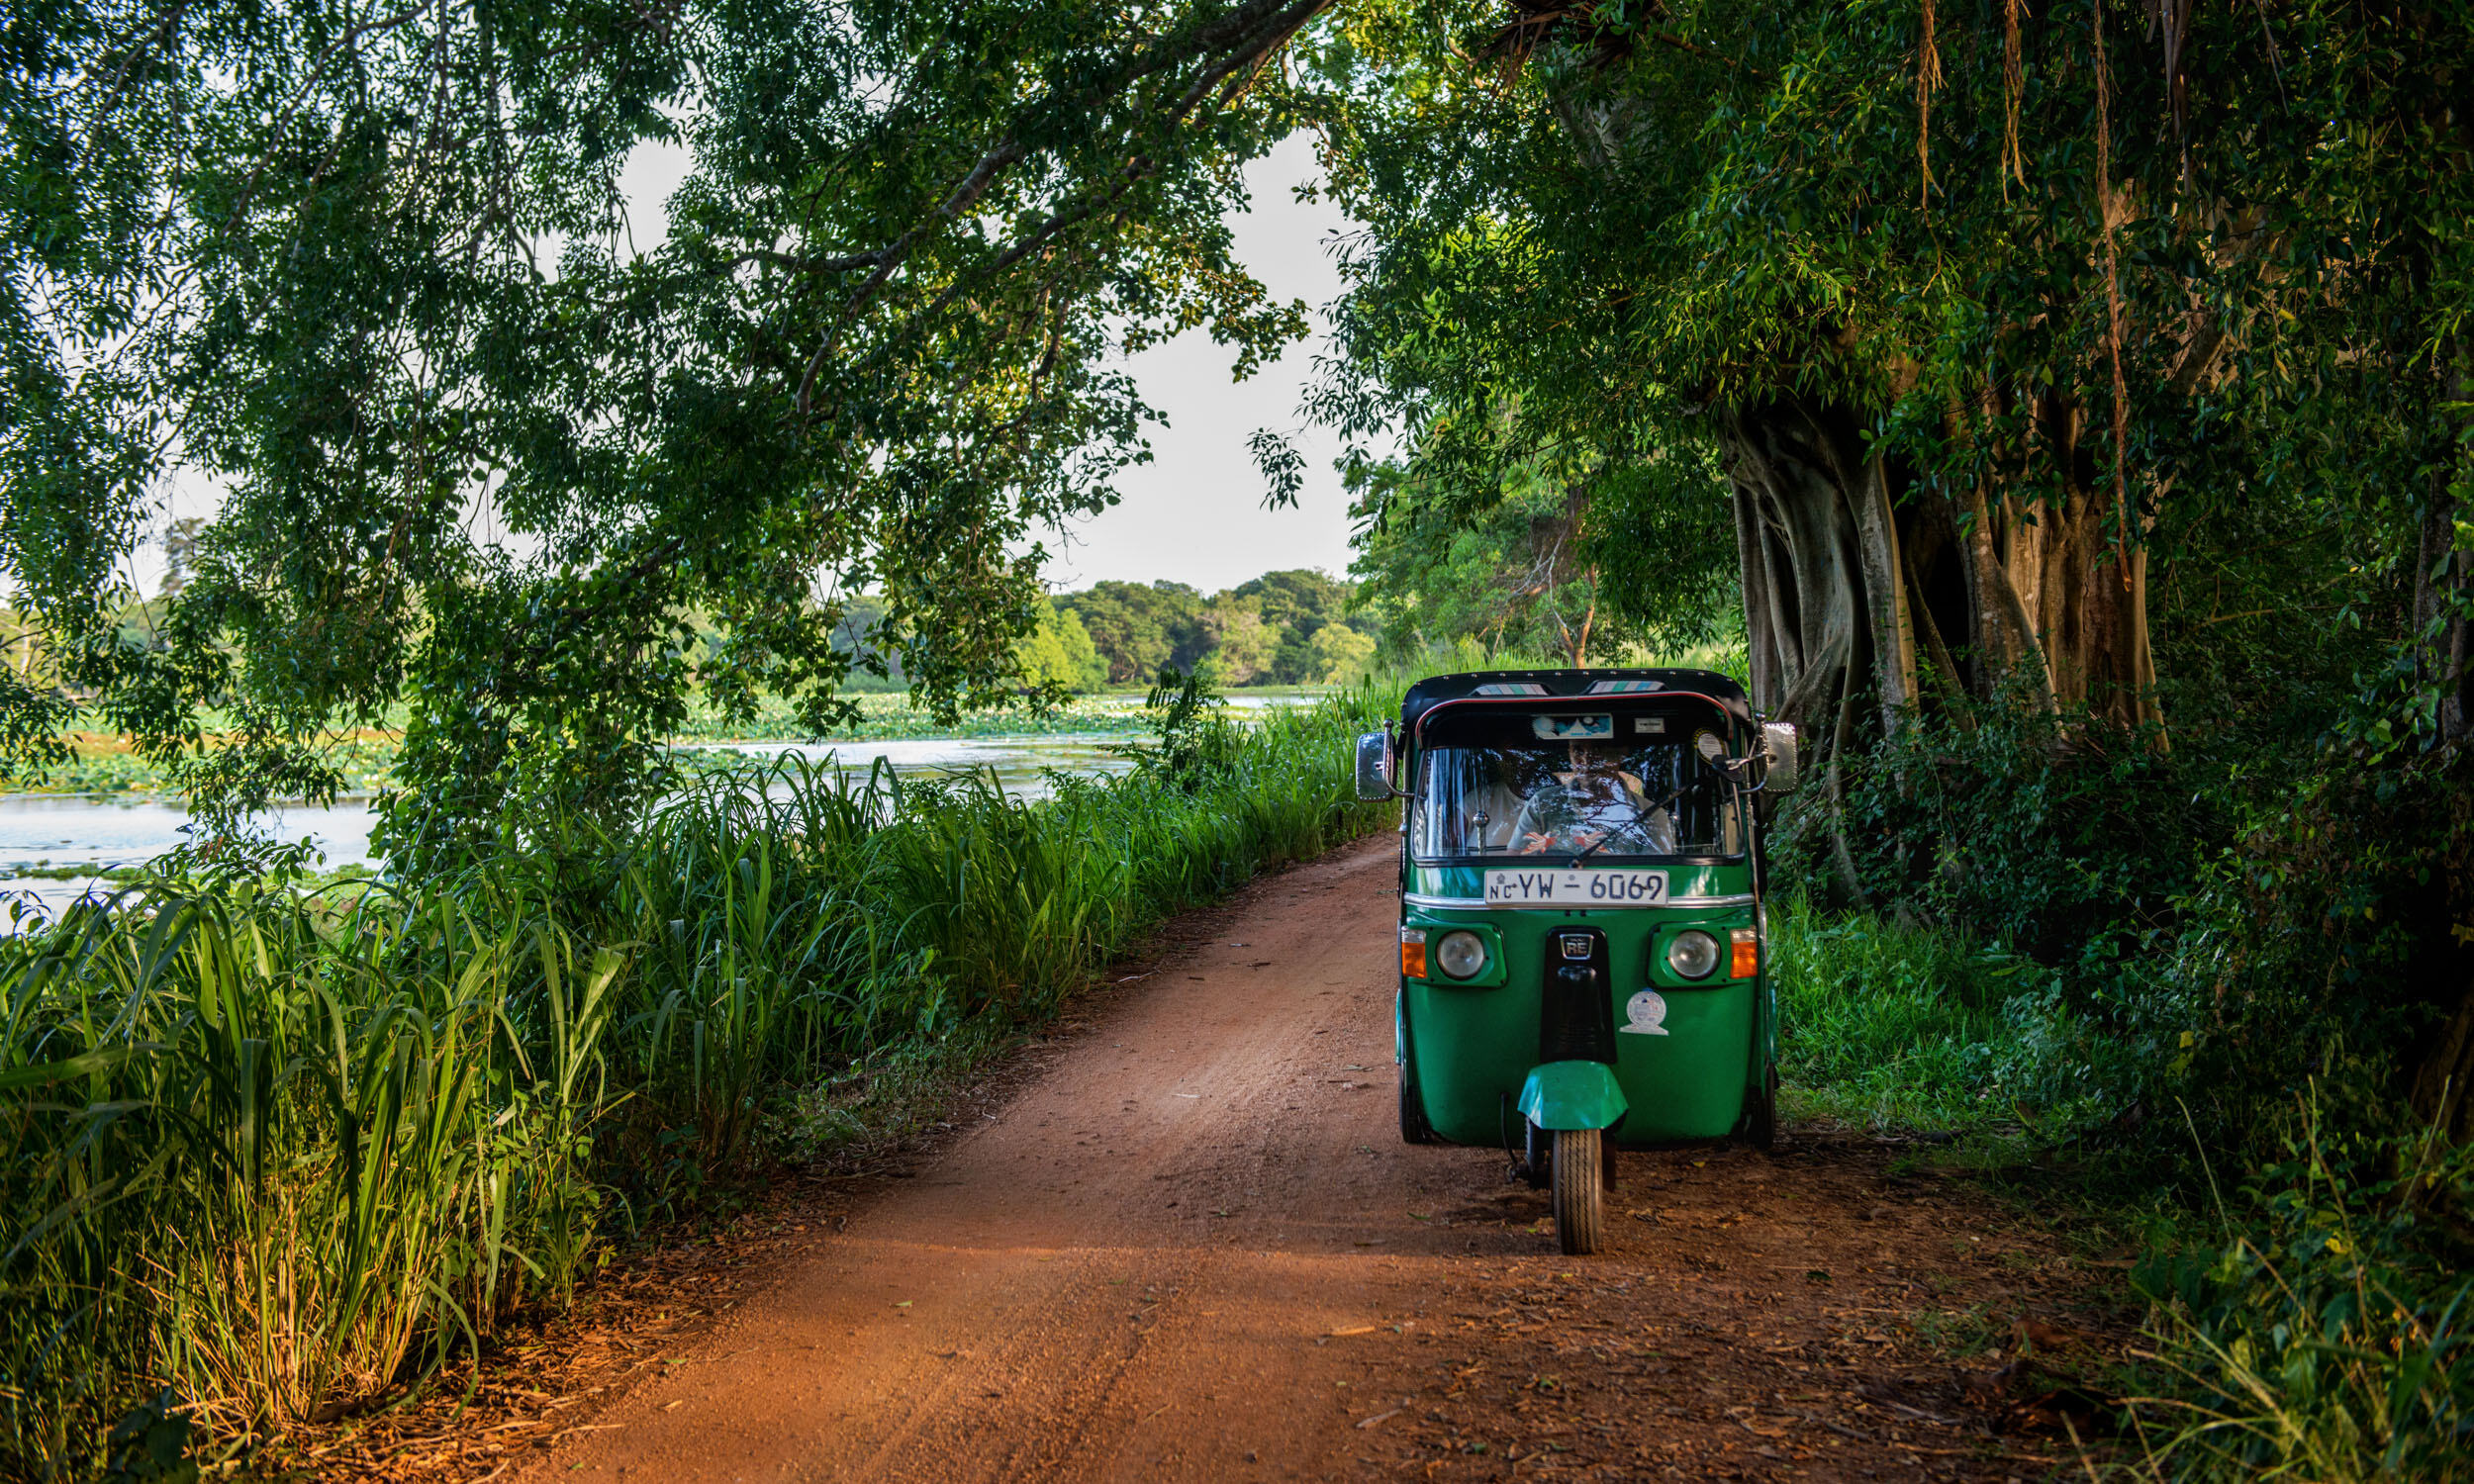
[1571, 684]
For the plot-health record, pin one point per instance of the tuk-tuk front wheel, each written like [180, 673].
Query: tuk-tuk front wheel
[1579, 1193]
[1415, 1128]
[1763, 1122]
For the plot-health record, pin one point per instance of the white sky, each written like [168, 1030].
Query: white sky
[1195, 513]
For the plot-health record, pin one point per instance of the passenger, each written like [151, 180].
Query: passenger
[1594, 807]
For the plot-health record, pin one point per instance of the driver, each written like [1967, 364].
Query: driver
[1594, 805]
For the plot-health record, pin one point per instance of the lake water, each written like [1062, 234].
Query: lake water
[101, 832]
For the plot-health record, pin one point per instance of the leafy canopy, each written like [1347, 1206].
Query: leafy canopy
[373, 268]
[2213, 267]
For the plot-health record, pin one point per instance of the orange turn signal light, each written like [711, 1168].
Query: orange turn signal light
[1413, 953]
[1746, 959]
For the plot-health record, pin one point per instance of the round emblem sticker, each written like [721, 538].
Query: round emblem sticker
[1646, 1012]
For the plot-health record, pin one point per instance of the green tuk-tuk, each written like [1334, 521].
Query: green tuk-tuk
[1581, 955]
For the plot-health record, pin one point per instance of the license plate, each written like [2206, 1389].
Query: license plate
[1575, 889]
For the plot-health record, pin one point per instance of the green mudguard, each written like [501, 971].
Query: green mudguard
[1573, 1095]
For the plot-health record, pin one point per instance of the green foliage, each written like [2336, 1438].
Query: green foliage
[1303, 606]
[1338, 655]
[2210, 939]
[1243, 646]
[274, 1150]
[1632, 216]
[1902, 1026]
[1057, 655]
[286, 1149]
[2218, 925]
[2055, 834]
[1195, 737]
[2334, 925]
[1546, 554]
[1141, 630]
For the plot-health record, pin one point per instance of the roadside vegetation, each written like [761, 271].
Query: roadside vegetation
[2099, 993]
[278, 1150]
[103, 764]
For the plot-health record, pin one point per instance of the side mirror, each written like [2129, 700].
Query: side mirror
[1375, 766]
[1778, 743]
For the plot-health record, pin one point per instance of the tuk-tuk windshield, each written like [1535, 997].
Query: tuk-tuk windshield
[1612, 800]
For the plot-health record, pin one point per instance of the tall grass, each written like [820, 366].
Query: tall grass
[1883, 1024]
[275, 1153]
[2326, 1335]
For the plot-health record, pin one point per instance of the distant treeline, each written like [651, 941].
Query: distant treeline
[1291, 628]
[1298, 627]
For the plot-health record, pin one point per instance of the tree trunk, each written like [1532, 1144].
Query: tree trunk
[1796, 469]
[1846, 561]
[1816, 540]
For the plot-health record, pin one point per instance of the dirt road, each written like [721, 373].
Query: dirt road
[1194, 1248]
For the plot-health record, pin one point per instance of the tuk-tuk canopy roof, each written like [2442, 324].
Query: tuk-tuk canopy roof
[1567, 685]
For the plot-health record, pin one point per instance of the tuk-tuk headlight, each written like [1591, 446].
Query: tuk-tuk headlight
[1693, 955]
[1462, 954]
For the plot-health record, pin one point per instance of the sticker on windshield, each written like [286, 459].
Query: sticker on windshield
[1572, 728]
[1646, 1014]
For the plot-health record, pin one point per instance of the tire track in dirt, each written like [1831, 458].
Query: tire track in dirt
[1194, 1248]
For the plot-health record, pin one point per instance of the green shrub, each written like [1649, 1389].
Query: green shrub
[1903, 1024]
[267, 1150]
[2334, 924]
[2053, 835]
[1887, 1025]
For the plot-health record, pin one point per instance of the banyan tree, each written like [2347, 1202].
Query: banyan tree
[1981, 307]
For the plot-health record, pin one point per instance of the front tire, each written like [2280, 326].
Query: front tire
[1537, 1154]
[1415, 1128]
[1579, 1198]
[1763, 1119]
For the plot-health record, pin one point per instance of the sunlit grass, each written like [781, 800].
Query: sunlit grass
[1883, 1025]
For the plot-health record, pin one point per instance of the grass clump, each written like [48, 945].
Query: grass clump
[2325, 1334]
[1890, 1025]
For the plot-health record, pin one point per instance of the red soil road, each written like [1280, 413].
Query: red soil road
[1193, 1246]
